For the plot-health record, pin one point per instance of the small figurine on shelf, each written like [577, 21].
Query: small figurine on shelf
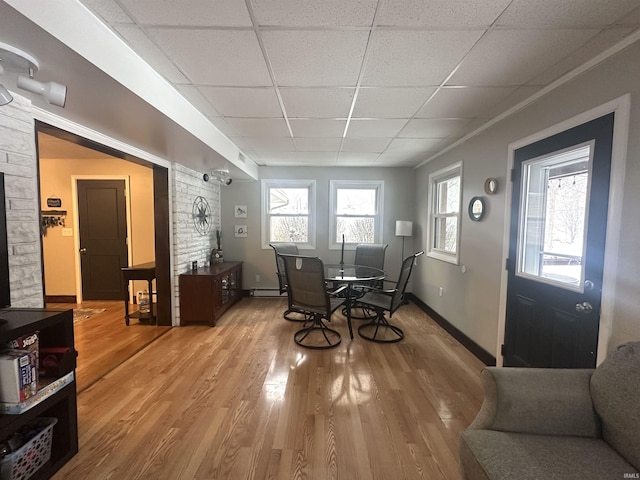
[216, 253]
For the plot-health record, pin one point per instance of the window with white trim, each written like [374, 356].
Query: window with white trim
[288, 212]
[444, 213]
[355, 212]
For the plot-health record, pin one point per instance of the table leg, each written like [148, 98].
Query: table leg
[348, 309]
[126, 302]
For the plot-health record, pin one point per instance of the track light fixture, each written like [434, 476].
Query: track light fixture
[15, 61]
[220, 176]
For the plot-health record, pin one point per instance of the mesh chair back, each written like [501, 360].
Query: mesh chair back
[307, 288]
[283, 249]
[403, 280]
[370, 255]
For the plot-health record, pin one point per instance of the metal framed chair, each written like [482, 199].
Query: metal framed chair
[308, 293]
[379, 329]
[286, 249]
[368, 255]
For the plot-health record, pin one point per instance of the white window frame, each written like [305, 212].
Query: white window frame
[454, 170]
[310, 185]
[334, 186]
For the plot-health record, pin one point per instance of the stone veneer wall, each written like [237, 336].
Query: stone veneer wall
[19, 163]
[188, 244]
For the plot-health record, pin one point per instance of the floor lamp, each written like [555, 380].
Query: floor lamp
[403, 229]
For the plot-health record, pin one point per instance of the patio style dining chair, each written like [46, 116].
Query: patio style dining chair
[286, 249]
[379, 329]
[308, 293]
[367, 255]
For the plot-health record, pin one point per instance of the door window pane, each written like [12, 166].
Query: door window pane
[553, 225]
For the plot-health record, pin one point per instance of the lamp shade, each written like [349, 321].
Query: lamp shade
[403, 228]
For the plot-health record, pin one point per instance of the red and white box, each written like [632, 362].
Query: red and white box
[29, 342]
[18, 375]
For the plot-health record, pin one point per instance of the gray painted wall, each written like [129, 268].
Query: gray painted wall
[398, 205]
[471, 300]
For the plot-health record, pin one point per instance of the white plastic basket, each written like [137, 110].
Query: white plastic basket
[28, 459]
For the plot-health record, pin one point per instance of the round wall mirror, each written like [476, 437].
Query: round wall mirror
[476, 209]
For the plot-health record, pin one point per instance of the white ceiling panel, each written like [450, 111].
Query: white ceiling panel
[390, 102]
[382, 127]
[215, 57]
[317, 144]
[465, 102]
[317, 127]
[366, 145]
[497, 60]
[283, 78]
[243, 102]
[317, 102]
[219, 13]
[560, 14]
[313, 13]
[148, 50]
[315, 57]
[433, 128]
[441, 13]
[416, 58]
[259, 127]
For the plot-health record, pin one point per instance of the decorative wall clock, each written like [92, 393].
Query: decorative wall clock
[201, 215]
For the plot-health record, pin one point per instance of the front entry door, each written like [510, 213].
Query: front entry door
[103, 238]
[556, 249]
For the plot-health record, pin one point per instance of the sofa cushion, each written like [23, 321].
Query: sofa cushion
[488, 454]
[615, 391]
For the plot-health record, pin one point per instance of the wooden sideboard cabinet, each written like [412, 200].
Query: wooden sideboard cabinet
[207, 292]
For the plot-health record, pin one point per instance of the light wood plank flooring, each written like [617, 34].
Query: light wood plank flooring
[103, 341]
[242, 401]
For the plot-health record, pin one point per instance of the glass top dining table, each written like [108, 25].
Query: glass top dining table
[350, 274]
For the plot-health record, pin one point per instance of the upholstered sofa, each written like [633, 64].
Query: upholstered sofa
[545, 424]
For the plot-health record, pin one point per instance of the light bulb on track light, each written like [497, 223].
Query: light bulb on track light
[5, 96]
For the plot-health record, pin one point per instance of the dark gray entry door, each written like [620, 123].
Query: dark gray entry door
[556, 249]
[103, 238]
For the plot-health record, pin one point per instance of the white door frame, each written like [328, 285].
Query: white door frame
[621, 107]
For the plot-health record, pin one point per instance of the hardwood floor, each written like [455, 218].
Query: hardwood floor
[242, 401]
[103, 341]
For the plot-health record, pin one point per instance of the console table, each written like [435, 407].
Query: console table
[143, 271]
[207, 292]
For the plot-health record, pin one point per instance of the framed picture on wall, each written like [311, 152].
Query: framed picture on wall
[240, 211]
[240, 230]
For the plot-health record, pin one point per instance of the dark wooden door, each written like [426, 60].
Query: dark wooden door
[103, 238]
[556, 250]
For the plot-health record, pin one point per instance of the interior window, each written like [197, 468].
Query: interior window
[356, 212]
[444, 211]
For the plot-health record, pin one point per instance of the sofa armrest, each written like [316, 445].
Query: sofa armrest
[539, 401]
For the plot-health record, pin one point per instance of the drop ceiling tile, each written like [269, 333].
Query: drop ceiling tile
[398, 160]
[318, 144]
[361, 127]
[415, 58]
[317, 102]
[594, 46]
[310, 159]
[144, 47]
[520, 94]
[390, 102]
[357, 158]
[574, 13]
[108, 10]
[219, 13]
[203, 55]
[222, 125]
[412, 146]
[243, 102]
[466, 102]
[315, 57]
[433, 127]
[259, 127]
[313, 13]
[264, 144]
[441, 13]
[193, 95]
[498, 60]
[632, 18]
[317, 127]
[367, 145]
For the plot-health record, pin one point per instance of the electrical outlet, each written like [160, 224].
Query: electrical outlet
[257, 278]
[441, 291]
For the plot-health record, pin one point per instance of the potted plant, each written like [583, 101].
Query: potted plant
[216, 253]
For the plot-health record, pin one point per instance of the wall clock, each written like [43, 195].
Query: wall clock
[201, 215]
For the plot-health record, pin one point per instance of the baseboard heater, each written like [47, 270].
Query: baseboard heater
[266, 292]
